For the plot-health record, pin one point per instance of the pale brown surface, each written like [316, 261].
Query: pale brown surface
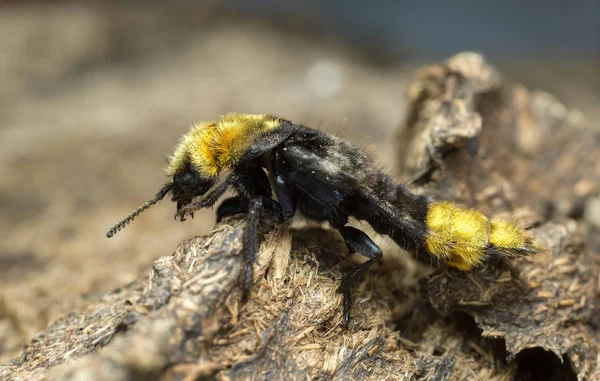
[88, 114]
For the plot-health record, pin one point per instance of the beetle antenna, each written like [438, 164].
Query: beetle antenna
[125, 221]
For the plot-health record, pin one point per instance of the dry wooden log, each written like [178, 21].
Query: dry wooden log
[471, 136]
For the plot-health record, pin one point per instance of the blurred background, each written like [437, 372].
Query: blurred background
[94, 97]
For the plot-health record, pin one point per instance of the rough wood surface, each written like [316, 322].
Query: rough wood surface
[530, 160]
[495, 146]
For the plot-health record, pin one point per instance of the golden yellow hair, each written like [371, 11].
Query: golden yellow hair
[214, 146]
[460, 236]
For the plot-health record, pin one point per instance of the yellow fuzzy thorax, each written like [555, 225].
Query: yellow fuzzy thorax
[459, 236]
[215, 146]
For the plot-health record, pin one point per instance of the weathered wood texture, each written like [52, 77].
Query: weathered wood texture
[471, 136]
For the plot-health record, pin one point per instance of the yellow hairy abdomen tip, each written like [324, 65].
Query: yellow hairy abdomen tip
[470, 230]
[439, 240]
[505, 234]
[456, 234]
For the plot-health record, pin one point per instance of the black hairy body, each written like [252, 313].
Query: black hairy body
[279, 169]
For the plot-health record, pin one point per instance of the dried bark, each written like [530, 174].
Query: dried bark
[186, 321]
[471, 137]
[531, 159]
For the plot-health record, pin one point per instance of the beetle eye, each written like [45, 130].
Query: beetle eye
[188, 179]
[188, 184]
